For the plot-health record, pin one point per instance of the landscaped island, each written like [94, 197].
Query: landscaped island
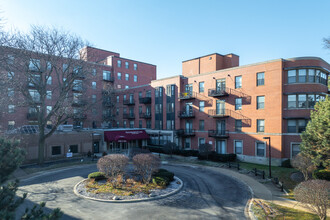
[119, 180]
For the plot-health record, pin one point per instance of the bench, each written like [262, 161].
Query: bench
[259, 172]
[234, 165]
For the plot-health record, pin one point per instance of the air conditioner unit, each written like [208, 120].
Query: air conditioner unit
[65, 128]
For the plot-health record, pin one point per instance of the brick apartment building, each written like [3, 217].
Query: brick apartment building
[214, 101]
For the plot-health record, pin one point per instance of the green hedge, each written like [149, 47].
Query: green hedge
[322, 174]
[162, 177]
[96, 175]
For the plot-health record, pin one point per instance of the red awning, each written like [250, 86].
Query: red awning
[124, 136]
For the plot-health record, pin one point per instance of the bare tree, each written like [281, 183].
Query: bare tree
[145, 165]
[113, 165]
[46, 64]
[326, 42]
[169, 147]
[314, 195]
[205, 150]
[303, 164]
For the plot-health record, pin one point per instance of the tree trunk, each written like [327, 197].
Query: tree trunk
[41, 147]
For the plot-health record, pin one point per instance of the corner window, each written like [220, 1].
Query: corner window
[238, 82]
[260, 102]
[260, 79]
[260, 125]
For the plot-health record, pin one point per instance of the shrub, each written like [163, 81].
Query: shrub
[164, 173]
[205, 150]
[96, 176]
[145, 165]
[161, 181]
[303, 164]
[314, 195]
[322, 174]
[155, 149]
[112, 165]
[189, 153]
[218, 157]
[286, 163]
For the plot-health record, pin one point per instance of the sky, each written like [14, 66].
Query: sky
[165, 33]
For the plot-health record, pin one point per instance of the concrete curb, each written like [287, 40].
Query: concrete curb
[131, 200]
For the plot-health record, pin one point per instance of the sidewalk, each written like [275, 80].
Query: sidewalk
[261, 189]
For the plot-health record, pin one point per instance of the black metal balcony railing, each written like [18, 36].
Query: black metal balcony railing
[78, 74]
[218, 133]
[32, 116]
[108, 79]
[77, 89]
[145, 100]
[108, 116]
[187, 95]
[219, 92]
[186, 114]
[185, 132]
[79, 116]
[79, 102]
[129, 116]
[145, 115]
[219, 113]
[108, 103]
[129, 102]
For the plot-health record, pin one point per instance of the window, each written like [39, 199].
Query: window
[124, 97]
[117, 124]
[311, 75]
[49, 80]
[126, 87]
[106, 75]
[201, 125]
[140, 109]
[11, 92]
[131, 124]
[73, 149]
[125, 124]
[119, 86]
[94, 72]
[238, 125]
[117, 111]
[119, 76]
[260, 125]
[34, 65]
[126, 76]
[93, 85]
[11, 108]
[297, 125]
[93, 98]
[135, 66]
[295, 149]
[49, 109]
[170, 125]
[238, 82]
[11, 125]
[65, 67]
[140, 123]
[135, 78]
[34, 80]
[34, 95]
[260, 102]
[187, 143]
[260, 79]
[117, 99]
[77, 85]
[238, 103]
[10, 59]
[49, 95]
[260, 149]
[56, 150]
[148, 123]
[238, 147]
[124, 110]
[118, 63]
[292, 76]
[10, 75]
[292, 101]
[201, 141]
[302, 75]
[302, 102]
[201, 106]
[148, 93]
[311, 101]
[140, 94]
[201, 87]
[126, 65]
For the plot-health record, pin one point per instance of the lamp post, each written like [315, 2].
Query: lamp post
[269, 157]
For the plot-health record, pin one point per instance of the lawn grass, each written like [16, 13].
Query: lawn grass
[283, 212]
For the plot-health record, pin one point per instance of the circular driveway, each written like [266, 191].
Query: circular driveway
[206, 194]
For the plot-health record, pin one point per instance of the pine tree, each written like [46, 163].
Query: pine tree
[316, 139]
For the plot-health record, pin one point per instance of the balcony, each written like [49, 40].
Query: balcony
[32, 116]
[78, 75]
[108, 103]
[77, 89]
[79, 116]
[129, 102]
[108, 79]
[129, 116]
[218, 133]
[220, 113]
[79, 102]
[185, 132]
[108, 117]
[186, 114]
[187, 95]
[145, 115]
[219, 92]
[145, 100]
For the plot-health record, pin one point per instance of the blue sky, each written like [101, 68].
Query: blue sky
[167, 32]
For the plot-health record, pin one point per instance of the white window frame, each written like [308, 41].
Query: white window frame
[255, 148]
[235, 147]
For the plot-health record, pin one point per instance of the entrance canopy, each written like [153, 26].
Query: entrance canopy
[125, 135]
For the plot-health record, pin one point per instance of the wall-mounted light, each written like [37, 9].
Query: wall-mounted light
[229, 75]
[213, 77]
